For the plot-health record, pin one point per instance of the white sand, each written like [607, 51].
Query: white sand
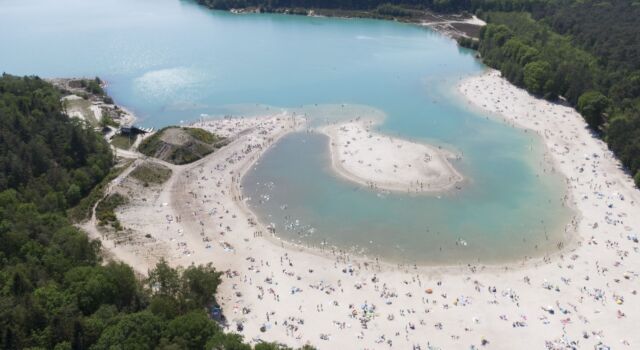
[476, 21]
[585, 295]
[383, 162]
[78, 107]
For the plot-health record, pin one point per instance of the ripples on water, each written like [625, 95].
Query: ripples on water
[171, 60]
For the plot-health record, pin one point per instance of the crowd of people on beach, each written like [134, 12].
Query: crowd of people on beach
[385, 163]
[583, 295]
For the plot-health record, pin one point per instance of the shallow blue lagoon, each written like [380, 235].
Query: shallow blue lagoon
[171, 61]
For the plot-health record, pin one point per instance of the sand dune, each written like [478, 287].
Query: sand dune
[387, 163]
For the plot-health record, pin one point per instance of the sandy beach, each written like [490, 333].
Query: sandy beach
[382, 162]
[584, 295]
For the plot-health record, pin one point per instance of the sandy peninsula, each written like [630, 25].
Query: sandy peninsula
[581, 296]
[382, 162]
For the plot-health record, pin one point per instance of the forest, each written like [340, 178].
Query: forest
[56, 290]
[364, 5]
[586, 52]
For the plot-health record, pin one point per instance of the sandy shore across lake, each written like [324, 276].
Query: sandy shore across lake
[382, 162]
[585, 294]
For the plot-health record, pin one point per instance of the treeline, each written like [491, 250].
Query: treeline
[55, 290]
[94, 86]
[586, 51]
[609, 30]
[50, 159]
[369, 5]
[532, 56]
[601, 80]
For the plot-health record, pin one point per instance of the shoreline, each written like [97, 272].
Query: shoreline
[474, 103]
[571, 238]
[279, 284]
[383, 264]
[443, 23]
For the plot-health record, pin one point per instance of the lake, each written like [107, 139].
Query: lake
[172, 62]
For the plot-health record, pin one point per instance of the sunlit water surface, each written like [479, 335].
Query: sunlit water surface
[171, 61]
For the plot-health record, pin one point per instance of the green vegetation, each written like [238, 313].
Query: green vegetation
[93, 86]
[105, 210]
[203, 135]
[83, 210]
[82, 96]
[55, 290]
[123, 141]
[80, 106]
[393, 11]
[51, 160]
[369, 5]
[152, 144]
[592, 105]
[180, 145]
[603, 85]
[108, 121]
[150, 173]
[532, 56]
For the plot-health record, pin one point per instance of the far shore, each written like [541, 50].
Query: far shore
[451, 25]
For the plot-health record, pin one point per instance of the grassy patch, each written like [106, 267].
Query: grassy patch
[107, 120]
[388, 10]
[194, 144]
[184, 155]
[122, 141]
[82, 107]
[202, 135]
[82, 211]
[149, 173]
[150, 145]
[105, 210]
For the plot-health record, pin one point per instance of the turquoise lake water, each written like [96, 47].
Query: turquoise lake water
[171, 61]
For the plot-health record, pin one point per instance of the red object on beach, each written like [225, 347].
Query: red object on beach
[429, 291]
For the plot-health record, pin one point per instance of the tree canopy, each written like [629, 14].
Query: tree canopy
[55, 290]
[52, 160]
[553, 57]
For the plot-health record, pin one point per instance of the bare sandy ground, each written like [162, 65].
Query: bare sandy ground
[383, 162]
[585, 295]
[78, 107]
[455, 27]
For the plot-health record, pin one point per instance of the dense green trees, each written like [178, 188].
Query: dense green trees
[195, 144]
[537, 77]
[623, 137]
[592, 105]
[609, 30]
[438, 5]
[531, 54]
[52, 159]
[191, 331]
[141, 330]
[94, 86]
[55, 290]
